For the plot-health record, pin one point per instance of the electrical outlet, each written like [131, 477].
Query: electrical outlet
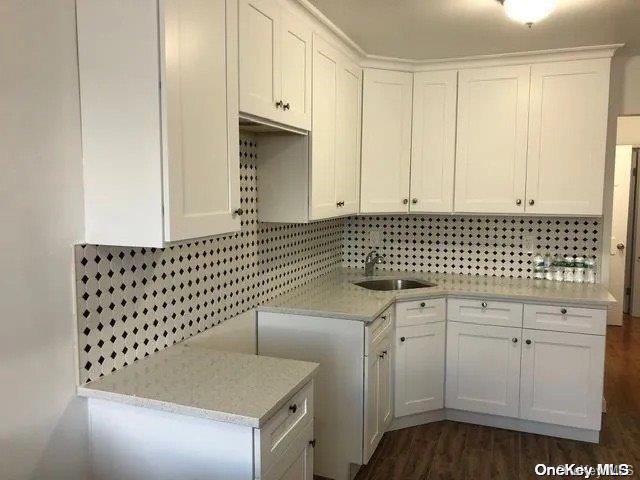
[375, 238]
[528, 243]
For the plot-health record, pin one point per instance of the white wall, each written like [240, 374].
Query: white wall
[629, 129]
[42, 427]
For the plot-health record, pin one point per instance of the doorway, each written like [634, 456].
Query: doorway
[624, 265]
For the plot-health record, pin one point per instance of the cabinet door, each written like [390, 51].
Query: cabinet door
[200, 131]
[567, 137]
[323, 138]
[433, 147]
[386, 141]
[295, 60]
[259, 38]
[385, 354]
[348, 138]
[562, 378]
[419, 368]
[491, 149]
[483, 368]
[296, 461]
[372, 427]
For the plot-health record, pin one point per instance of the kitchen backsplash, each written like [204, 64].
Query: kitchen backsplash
[476, 245]
[132, 302]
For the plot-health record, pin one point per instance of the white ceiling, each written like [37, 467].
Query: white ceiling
[428, 29]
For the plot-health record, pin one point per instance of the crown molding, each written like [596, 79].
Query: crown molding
[368, 60]
[511, 58]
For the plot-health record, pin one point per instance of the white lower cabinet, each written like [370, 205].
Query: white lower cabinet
[296, 462]
[483, 368]
[419, 375]
[378, 401]
[562, 378]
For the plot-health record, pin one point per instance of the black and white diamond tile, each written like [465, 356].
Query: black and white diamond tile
[135, 301]
[467, 244]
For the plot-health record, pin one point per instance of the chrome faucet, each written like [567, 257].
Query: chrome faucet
[371, 261]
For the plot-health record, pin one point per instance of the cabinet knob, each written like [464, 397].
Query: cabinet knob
[519, 201]
[563, 311]
[483, 304]
[514, 340]
[528, 342]
[293, 408]
[402, 339]
[279, 104]
[532, 202]
[286, 106]
[414, 200]
[340, 204]
[312, 443]
[423, 304]
[405, 201]
[238, 211]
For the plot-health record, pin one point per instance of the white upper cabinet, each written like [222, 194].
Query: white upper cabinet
[275, 64]
[493, 106]
[160, 164]
[323, 139]
[386, 141]
[304, 178]
[567, 137]
[433, 148]
[348, 127]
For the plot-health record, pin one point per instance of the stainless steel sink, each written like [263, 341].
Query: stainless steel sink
[393, 284]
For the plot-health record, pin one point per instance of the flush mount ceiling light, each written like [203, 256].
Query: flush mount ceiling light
[528, 11]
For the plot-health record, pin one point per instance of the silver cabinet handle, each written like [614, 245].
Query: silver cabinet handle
[483, 304]
[532, 202]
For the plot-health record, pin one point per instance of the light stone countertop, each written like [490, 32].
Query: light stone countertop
[198, 381]
[335, 296]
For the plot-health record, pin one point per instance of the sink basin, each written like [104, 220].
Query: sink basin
[393, 284]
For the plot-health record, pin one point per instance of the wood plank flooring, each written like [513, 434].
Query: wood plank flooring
[450, 450]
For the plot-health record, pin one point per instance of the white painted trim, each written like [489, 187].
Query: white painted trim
[497, 421]
[368, 60]
[337, 31]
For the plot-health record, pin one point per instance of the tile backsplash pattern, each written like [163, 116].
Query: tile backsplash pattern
[477, 245]
[132, 302]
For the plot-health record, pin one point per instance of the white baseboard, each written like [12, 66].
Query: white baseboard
[508, 423]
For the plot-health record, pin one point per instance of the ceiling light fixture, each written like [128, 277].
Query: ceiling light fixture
[528, 11]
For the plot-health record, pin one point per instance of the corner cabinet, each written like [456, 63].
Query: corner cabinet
[159, 120]
[322, 169]
[275, 64]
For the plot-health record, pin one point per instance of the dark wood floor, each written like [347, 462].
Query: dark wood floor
[453, 450]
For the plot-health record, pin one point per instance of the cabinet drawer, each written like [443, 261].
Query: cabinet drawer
[565, 319]
[485, 312]
[296, 460]
[276, 435]
[377, 329]
[420, 312]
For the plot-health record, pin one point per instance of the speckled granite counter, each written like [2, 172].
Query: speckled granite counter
[198, 381]
[334, 295]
